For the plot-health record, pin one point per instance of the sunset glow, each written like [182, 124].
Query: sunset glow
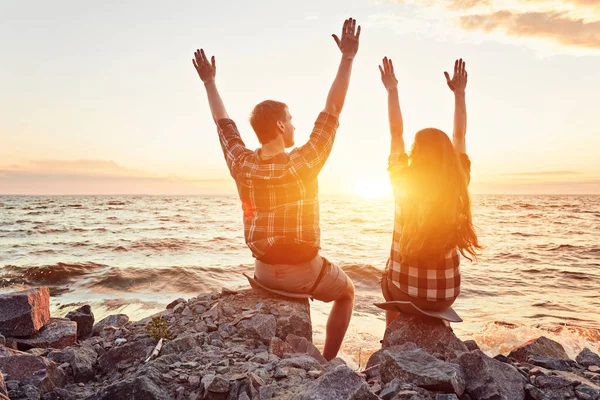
[121, 110]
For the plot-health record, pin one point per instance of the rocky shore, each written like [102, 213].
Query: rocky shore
[250, 345]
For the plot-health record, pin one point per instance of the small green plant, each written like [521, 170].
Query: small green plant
[159, 329]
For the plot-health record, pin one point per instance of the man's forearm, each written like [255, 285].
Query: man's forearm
[217, 108]
[396, 123]
[460, 122]
[339, 88]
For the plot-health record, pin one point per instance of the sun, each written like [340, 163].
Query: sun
[372, 188]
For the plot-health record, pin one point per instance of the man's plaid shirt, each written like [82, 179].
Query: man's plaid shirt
[435, 279]
[279, 195]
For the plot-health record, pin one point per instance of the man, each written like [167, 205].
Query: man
[279, 191]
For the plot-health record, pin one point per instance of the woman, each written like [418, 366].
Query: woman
[432, 222]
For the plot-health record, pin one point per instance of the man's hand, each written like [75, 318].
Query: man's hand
[206, 70]
[387, 75]
[458, 83]
[348, 45]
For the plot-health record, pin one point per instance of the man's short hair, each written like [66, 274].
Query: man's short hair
[264, 119]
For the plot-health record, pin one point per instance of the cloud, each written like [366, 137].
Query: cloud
[100, 177]
[557, 26]
[547, 25]
[543, 173]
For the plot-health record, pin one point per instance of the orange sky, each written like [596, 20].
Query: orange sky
[102, 99]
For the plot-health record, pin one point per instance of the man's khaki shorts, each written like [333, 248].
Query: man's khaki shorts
[301, 278]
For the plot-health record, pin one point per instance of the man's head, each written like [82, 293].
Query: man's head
[271, 120]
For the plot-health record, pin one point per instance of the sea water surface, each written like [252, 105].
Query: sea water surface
[539, 273]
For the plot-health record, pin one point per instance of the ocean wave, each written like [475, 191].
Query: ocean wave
[50, 275]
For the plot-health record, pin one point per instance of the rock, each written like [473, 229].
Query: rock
[551, 382]
[550, 363]
[447, 396]
[138, 388]
[294, 319]
[25, 312]
[585, 392]
[183, 343]
[32, 370]
[215, 387]
[84, 317]
[304, 362]
[81, 360]
[58, 333]
[471, 345]
[261, 327]
[541, 346]
[116, 320]
[490, 379]
[588, 358]
[340, 384]
[422, 369]
[427, 333]
[31, 392]
[303, 345]
[175, 303]
[129, 352]
[278, 347]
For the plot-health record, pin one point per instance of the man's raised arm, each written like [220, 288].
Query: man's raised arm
[231, 142]
[207, 72]
[348, 45]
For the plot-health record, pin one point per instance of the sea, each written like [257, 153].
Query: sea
[539, 273]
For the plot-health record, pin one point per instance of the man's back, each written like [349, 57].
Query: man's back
[280, 194]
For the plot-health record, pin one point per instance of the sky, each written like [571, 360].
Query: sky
[102, 98]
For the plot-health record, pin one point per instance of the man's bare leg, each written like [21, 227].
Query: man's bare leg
[337, 323]
[390, 316]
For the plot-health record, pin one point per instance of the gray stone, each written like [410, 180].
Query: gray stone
[303, 345]
[550, 363]
[129, 352]
[183, 343]
[294, 319]
[84, 317]
[25, 312]
[588, 358]
[81, 360]
[541, 346]
[586, 392]
[138, 388]
[427, 333]
[304, 362]
[260, 327]
[490, 379]
[278, 347]
[471, 345]
[32, 370]
[551, 382]
[422, 369]
[115, 320]
[340, 384]
[31, 392]
[176, 302]
[58, 333]
[446, 397]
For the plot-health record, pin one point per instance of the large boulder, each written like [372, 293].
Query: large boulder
[126, 353]
[140, 387]
[261, 327]
[490, 379]
[32, 370]
[25, 312]
[541, 346]
[116, 320]
[58, 333]
[84, 317]
[340, 384]
[427, 333]
[81, 360]
[588, 358]
[415, 365]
